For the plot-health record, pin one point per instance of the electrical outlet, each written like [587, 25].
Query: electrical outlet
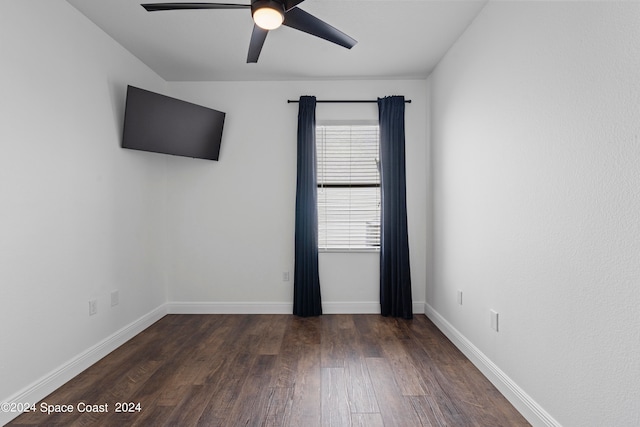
[459, 297]
[285, 276]
[494, 320]
[115, 299]
[93, 307]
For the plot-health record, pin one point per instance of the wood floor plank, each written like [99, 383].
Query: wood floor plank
[362, 398]
[367, 420]
[335, 346]
[335, 401]
[189, 410]
[282, 370]
[151, 416]
[306, 408]
[221, 402]
[428, 411]
[301, 335]
[271, 342]
[367, 338]
[285, 369]
[279, 409]
[252, 403]
[407, 377]
[218, 335]
[395, 409]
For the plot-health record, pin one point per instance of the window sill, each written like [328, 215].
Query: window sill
[339, 250]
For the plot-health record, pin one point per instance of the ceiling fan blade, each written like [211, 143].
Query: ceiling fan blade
[154, 7]
[303, 21]
[290, 4]
[258, 37]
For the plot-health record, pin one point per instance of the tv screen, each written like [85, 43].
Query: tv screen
[161, 124]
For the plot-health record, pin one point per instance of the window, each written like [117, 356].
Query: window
[348, 187]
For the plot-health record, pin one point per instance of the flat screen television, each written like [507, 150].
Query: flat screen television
[161, 124]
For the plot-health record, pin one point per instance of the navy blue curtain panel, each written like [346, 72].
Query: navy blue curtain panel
[306, 284]
[395, 274]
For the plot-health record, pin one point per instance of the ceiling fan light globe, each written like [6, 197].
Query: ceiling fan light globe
[268, 15]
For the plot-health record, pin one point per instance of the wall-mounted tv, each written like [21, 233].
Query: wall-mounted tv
[161, 124]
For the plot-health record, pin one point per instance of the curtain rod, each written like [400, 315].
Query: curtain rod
[343, 101]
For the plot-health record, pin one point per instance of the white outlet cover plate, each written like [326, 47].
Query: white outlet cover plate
[93, 307]
[494, 320]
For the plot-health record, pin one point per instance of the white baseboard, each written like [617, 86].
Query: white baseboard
[356, 307]
[59, 376]
[361, 307]
[370, 307]
[528, 407]
[186, 307]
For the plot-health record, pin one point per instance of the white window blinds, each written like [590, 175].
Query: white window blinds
[348, 187]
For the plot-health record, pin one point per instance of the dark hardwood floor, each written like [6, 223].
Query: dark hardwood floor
[281, 370]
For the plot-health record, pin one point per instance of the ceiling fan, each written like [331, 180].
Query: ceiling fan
[269, 15]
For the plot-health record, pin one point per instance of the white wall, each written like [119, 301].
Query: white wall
[78, 214]
[232, 222]
[536, 177]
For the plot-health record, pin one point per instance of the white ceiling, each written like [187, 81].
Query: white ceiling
[396, 39]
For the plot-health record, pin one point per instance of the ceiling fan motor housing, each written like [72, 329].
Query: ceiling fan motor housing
[271, 4]
[267, 14]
